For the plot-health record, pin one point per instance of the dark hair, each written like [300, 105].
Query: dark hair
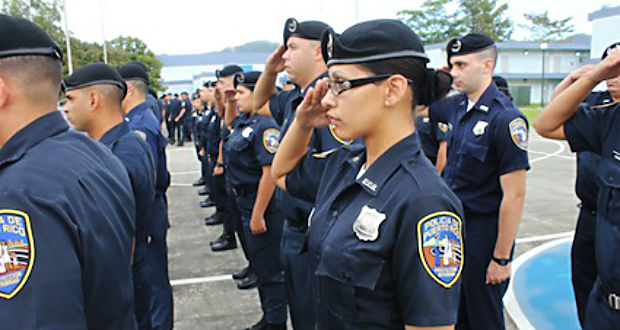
[428, 85]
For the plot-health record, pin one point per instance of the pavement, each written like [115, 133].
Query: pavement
[206, 297]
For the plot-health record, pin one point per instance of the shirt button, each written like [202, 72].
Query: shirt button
[335, 213]
[346, 276]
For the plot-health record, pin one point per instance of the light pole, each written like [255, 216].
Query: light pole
[543, 47]
[105, 51]
[68, 38]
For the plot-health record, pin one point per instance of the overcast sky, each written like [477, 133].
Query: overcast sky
[198, 26]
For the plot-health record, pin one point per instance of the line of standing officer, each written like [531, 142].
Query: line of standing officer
[486, 168]
[300, 57]
[66, 203]
[94, 93]
[141, 118]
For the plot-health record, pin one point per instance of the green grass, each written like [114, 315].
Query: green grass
[531, 111]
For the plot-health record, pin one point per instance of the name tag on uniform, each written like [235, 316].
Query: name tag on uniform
[247, 131]
[480, 127]
[366, 226]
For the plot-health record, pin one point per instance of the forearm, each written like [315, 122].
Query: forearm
[231, 112]
[220, 157]
[264, 89]
[266, 187]
[180, 115]
[221, 106]
[562, 86]
[510, 213]
[441, 157]
[291, 150]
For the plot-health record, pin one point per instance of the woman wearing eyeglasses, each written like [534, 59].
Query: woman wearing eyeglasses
[385, 239]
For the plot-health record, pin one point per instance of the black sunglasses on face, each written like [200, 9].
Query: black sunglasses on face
[338, 86]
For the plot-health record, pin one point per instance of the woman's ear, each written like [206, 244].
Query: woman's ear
[397, 86]
[4, 93]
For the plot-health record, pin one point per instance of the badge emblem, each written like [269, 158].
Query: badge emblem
[456, 46]
[518, 133]
[16, 252]
[440, 246]
[292, 26]
[330, 46]
[443, 127]
[480, 127]
[247, 131]
[366, 226]
[271, 140]
[140, 134]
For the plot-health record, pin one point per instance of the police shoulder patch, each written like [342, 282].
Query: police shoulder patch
[140, 134]
[518, 133]
[337, 138]
[271, 139]
[440, 247]
[16, 252]
[443, 127]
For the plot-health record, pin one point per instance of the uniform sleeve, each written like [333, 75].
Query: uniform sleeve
[266, 142]
[439, 111]
[511, 137]
[441, 131]
[304, 180]
[584, 130]
[277, 106]
[428, 249]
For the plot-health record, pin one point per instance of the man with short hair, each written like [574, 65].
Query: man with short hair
[94, 95]
[486, 168]
[66, 202]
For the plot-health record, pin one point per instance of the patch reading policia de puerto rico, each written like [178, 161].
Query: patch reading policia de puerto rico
[271, 140]
[440, 244]
[16, 252]
[518, 133]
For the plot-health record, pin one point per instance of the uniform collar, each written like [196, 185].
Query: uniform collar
[321, 76]
[29, 136]
[379, 172]
[137, 110]
[115, 133]
[486, 99]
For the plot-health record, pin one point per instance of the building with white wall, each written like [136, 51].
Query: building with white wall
[605, 29]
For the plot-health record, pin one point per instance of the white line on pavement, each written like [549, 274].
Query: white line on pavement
[186, 172]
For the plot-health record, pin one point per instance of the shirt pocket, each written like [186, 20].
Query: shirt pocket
[473, 156]
[239, 143]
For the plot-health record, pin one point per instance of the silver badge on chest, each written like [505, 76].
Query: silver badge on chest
[247, 131]
[366, 226]
[480, 127]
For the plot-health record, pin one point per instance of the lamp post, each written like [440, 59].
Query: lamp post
[67, 38]
[543, 48]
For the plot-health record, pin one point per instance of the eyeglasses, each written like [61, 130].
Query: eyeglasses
[339, 86]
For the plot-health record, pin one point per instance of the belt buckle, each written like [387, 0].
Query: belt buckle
[614, 301]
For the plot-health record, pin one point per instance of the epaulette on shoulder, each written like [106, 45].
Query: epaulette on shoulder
[602, 106]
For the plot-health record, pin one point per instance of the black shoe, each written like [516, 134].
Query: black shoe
[204, 191]
[251, 281]
[213, 220]
[218, 240]
[207, 203]
[242, 273]
[180, 143]
[260, 325]
[200, 182]
[228, 243]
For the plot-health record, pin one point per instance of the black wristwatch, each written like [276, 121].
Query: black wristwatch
[219, 165]
[501, 262]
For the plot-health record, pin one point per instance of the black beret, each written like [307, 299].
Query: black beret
[94, 74]
[370, 41]
[247, 79]
[501, 83]
[610, 48]
[312, 30]
[21, 37]
[228, 71]
[471, 43]
[139, 63]
[133, 71]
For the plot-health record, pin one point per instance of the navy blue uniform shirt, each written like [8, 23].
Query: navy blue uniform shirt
[431, 134]
[283, 106]
[155, 106]
[141, 119]
[484, 143]
[187, 105]
[214, 133]
[386, 247]
[67, 222]
[174, 108]
[133, 151]
[598, 131]
[251, 145]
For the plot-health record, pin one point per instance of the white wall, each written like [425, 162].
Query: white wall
[605, 31]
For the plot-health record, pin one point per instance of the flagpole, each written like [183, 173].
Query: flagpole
[105, 51]
[68, 38]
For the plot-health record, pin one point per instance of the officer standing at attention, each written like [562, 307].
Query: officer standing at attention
[385, 241]
[141, 118]
[65, 200]
[486, 168]
[182, 122]
[94, 93]
[173, 117]
[300, 56]
[598, 131]
[251, 145]
[583, 257]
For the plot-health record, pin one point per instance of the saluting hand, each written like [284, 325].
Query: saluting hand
[229, 94]
[497, 274]
[257, 225]
[608, 68]
[275, 62]
[311, 112]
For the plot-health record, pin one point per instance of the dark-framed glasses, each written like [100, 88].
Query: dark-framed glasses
[338, 86]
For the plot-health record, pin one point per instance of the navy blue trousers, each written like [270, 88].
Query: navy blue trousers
[583, 260]
[157, 257]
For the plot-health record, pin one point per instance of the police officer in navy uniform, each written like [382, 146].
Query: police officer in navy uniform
[184, 116]
[141, 118]
[250, 148]
[66, 205]
[433, 140]
[486, 169]
[300, 55]
[597, 131]
[174, 111]
[94, 93]
[583, 258]
[385, 239]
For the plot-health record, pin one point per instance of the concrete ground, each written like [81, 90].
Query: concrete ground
[207, 298]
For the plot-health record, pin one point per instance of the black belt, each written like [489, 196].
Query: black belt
[245, 189]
